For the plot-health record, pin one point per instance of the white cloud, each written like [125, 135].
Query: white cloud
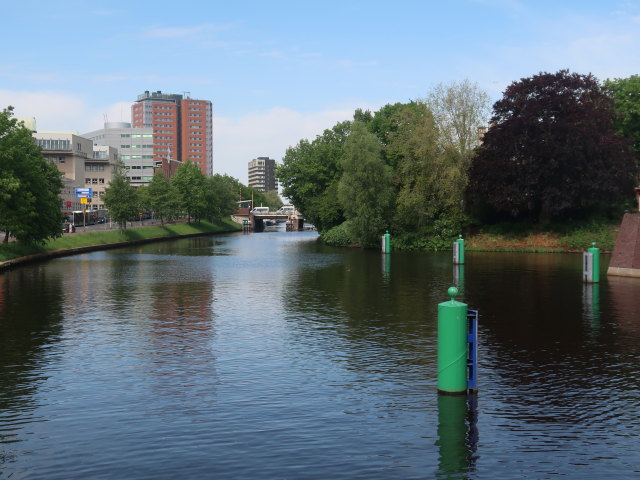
[63, 111]
[52, 110]
[237, 141]
[179, 32]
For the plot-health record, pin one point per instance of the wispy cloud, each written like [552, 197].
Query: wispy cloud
[104, 12]
[272, 132]
[181, 32]
[358, 63]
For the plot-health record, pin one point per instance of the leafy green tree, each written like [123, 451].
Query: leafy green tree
[430, 178]
[309, 175]
[626, 95]
[365, 189]
[274, 202]
[29, 186]
[220, 197]
[161, 199]
[188, 185]
[552, 150]
[459, 110]
[121, 198]
[385, 125]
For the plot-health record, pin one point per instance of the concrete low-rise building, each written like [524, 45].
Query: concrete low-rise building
[82, 166]
[134, 145]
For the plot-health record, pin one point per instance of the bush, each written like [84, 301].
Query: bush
[438, 235]
[580, 238]
[337, 236]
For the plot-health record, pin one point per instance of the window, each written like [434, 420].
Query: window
[87, 181]
[101, 181]
[94, 181]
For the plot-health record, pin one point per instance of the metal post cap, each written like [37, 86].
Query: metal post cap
[452, 292]
[593, 244]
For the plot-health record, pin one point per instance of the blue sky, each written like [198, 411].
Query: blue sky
[280, 71]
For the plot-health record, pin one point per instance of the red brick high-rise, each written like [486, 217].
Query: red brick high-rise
[182, 129]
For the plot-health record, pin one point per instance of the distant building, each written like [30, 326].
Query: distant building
[182, 128]
[81, 164]
[134, 145]
[262, 174]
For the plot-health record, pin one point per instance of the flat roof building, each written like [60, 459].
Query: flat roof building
[135, 148]
[82, 165]
[262, 174]
[182, 128]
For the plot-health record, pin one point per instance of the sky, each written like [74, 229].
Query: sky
[281, 71]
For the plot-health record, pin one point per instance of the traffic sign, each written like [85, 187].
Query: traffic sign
[83, 200]
[84, 192]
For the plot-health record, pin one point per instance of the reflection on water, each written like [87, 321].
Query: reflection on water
[457, 435]
[272, 356]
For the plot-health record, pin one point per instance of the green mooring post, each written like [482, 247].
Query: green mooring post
[386, 243]
[591, 264]
[452, 346]
[458, 251]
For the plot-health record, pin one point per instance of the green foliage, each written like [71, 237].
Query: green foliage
[188, 186]
[220, 198]
[160, 198]
[580, 237]
[626, 95]
[459, 110]
[274, 202]
[309, 170]
[438, 235]
[365, 189]
[120, 198]
[29, 185]
[338, 236]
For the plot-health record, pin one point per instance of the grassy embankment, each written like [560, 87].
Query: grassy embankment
[96, 238]
[532, 238]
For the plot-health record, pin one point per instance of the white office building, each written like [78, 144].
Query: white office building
[134, 145]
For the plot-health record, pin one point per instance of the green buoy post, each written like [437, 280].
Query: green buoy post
[591, 264]
[386, 243]
[458, 251]
[452, 346]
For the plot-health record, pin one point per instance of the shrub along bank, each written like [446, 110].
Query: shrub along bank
[508, 237]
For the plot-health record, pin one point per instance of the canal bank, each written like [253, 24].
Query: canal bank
[76, 243]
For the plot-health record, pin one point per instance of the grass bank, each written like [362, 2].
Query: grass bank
[14, 250]
[529, 238]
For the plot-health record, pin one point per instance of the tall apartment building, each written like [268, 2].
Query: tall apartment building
[134, 145]
[82, 165]
[262, 174]
[182, 128]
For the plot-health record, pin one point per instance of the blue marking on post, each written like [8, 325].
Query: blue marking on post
[472, 355]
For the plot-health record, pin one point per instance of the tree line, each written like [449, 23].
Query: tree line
[30, 187]
[187, 194]
[555, 147]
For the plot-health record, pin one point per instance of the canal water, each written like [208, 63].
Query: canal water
[270, 356]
